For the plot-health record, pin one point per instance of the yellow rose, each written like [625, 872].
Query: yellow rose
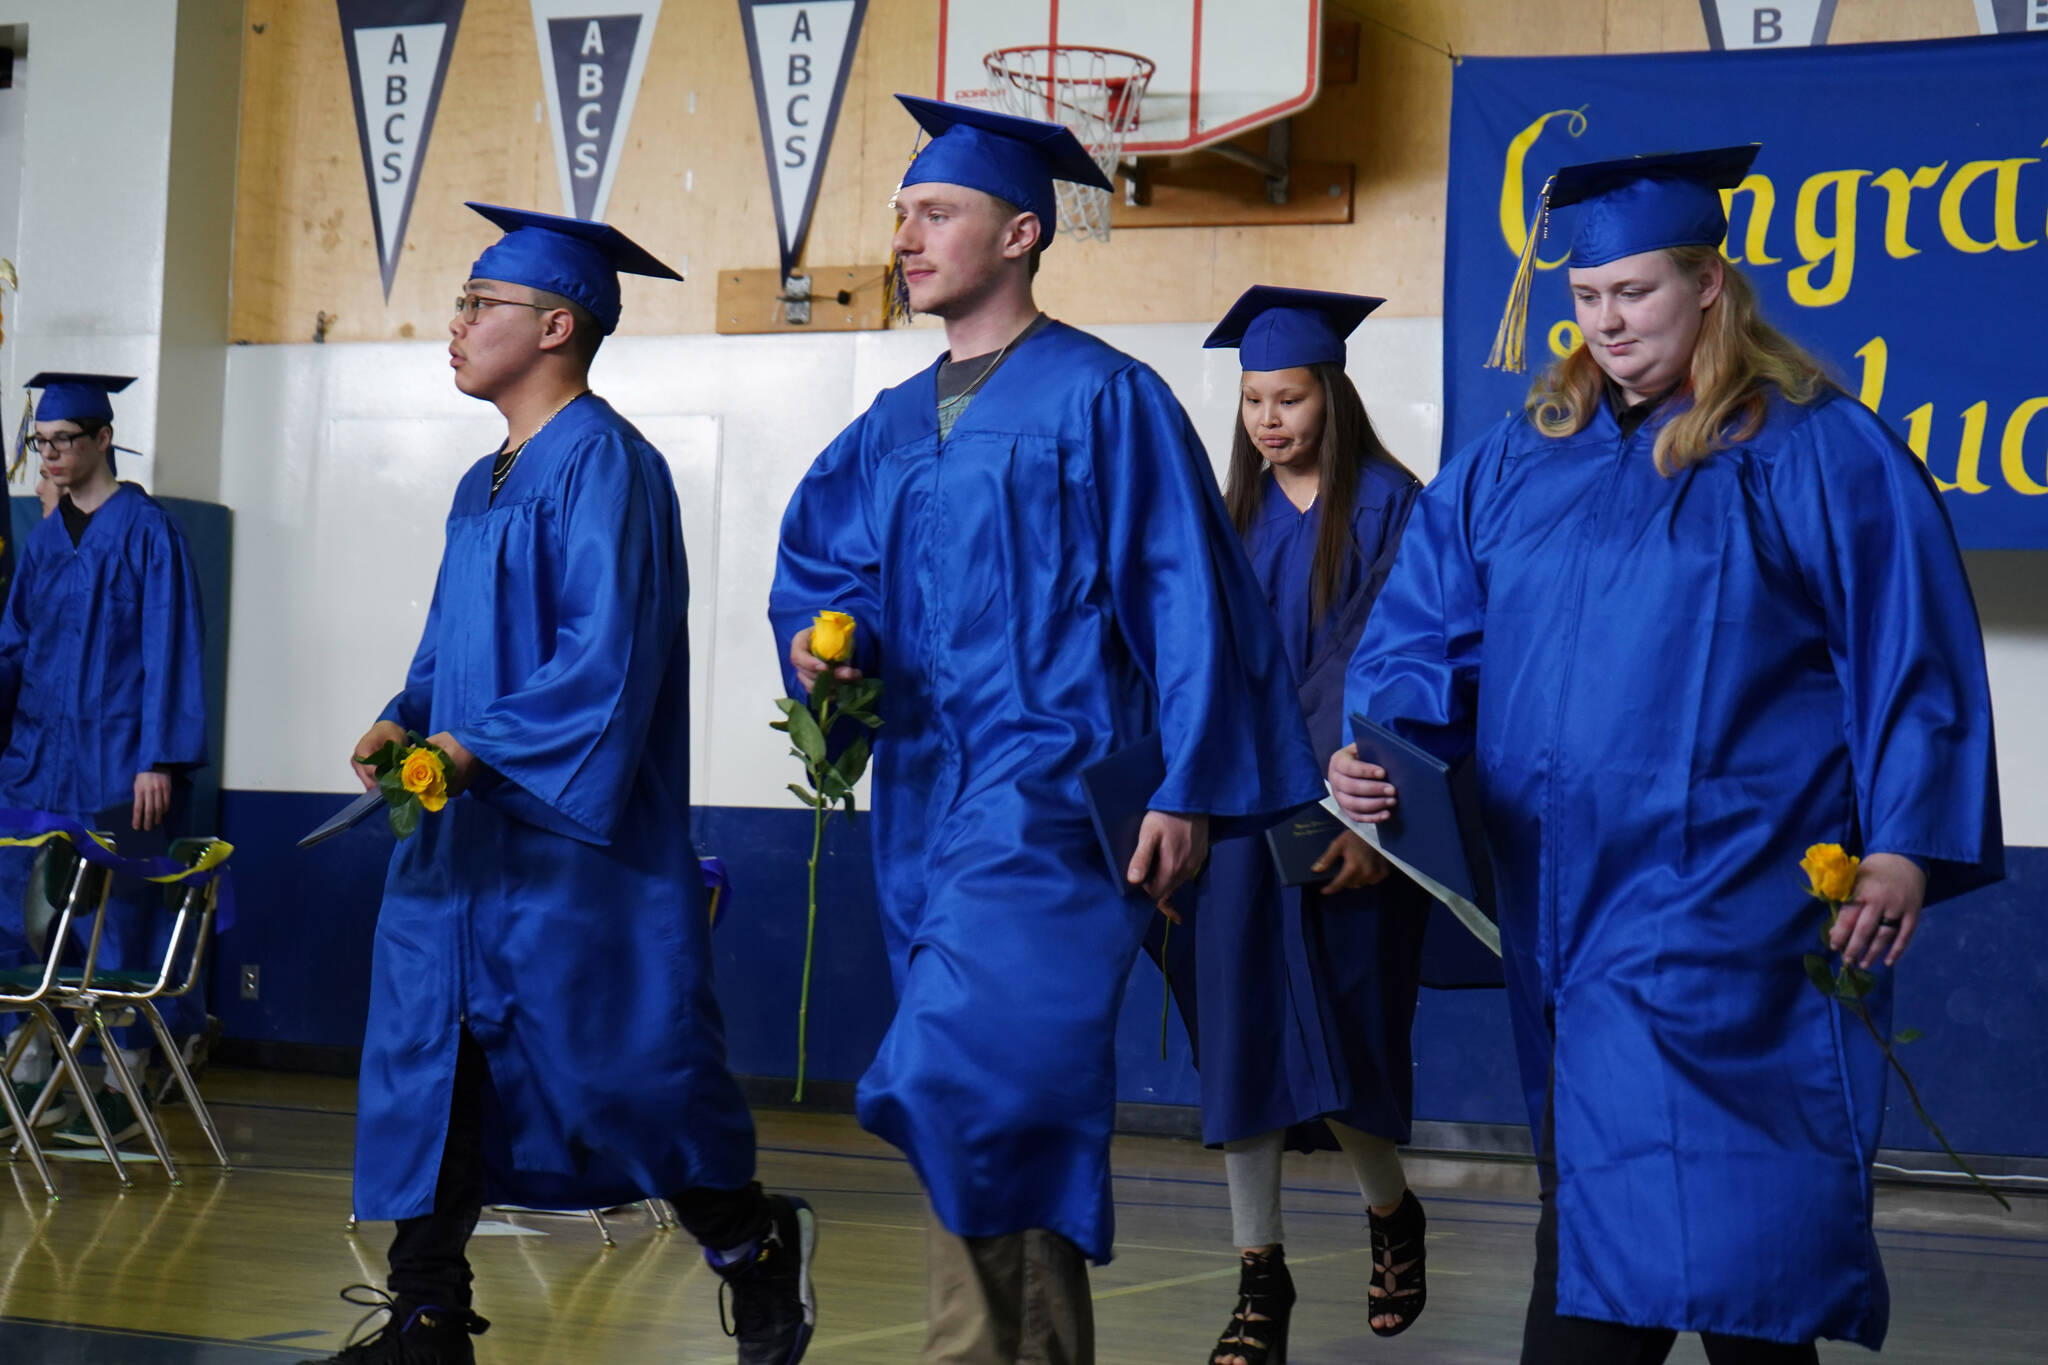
[832, 637]
[1830, 872]
[425, 775]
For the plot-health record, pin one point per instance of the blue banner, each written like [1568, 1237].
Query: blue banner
[1894, 225]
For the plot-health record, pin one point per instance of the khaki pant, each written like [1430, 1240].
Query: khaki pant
[1019, 1299]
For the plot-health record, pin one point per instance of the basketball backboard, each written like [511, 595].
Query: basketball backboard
[1221, 66]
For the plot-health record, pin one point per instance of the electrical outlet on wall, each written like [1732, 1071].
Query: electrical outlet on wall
[252, 981]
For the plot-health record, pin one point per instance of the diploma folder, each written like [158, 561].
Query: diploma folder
[1434, 829]
[1119, 788]
[351, 815]
[1298, 842]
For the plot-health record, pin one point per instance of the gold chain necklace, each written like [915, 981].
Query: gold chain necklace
[980, 379]
[498, 478]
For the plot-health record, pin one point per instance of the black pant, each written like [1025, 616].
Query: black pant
[427, 1261]
[1550, 1338]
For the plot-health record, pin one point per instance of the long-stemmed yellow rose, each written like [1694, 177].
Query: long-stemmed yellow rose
[832, 636]
[1831, 878]
[413, 777]
[830, 779]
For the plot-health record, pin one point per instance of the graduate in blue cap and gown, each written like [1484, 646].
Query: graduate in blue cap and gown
[102, 699]
[1695, 610]
[1303, 997]
[542, 1025]
[1029, 537]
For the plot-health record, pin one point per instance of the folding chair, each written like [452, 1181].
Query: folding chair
[31, 991]
[103, 999]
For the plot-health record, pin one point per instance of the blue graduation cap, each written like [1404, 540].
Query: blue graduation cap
[1277, 329]
[1626, 207]
[77, 397]
[1012, 158]
[573, 257]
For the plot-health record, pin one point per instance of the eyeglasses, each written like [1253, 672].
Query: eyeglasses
[58, 444]
[468, 306]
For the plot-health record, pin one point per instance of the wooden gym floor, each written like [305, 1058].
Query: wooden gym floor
[242, 1267]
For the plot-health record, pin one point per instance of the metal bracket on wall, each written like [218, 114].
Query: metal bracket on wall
[796, 300]
[816, 298]
[1277, 165]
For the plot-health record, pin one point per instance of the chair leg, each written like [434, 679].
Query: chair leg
[664, 1217]
[603, 1231]
[132, 1088]
[67, 1053]
[176, 1060]
[24, 1135]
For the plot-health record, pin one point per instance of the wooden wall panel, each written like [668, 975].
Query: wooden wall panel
[692, 182]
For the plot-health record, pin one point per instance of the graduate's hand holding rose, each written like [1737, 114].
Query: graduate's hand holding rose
[1361, 788]
[1171, 850]
[827, 644]
[376, 737]
[463, 766]
[1882, 911]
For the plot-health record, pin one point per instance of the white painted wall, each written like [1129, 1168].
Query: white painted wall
[96, 158]
[340, 461]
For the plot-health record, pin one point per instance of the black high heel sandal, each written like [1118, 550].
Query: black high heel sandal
[1257, 1333]
[1400, 1288]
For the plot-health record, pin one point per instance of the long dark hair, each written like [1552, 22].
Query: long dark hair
[1349, 443]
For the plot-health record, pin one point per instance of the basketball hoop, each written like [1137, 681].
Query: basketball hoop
[1095, 91]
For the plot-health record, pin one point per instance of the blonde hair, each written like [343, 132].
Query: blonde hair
[1738, 360]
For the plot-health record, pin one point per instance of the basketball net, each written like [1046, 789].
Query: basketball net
[1095, 91]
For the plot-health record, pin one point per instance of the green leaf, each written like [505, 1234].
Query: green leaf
[781, 725]
[805, 734]
[1909, 1035]
[873, 722]
[806, 797]
[392, 785]
[860, 694]
[384, 757]
[853, 762]
[823, 690]
[405, 817]
[850, 811]
[831, 786]
[1856, 983]
[788, 704]
[1818, 973]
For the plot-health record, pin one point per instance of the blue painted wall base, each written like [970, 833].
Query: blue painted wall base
[1976, 983]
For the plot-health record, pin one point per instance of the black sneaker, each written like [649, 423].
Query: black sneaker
[415, 1333]
[774, 1310]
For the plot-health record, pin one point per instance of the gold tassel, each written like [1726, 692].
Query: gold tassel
[1511, 338]
[896, 310]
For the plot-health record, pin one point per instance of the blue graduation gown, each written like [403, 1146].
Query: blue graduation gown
[102, 659]
[1673, 687]
[1303, 1003]
[1054, 582]
[556, 910]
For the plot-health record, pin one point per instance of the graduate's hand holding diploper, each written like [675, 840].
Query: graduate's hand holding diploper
[1361, 788]
[376, 737]
[1357, 862]
[809, 666]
